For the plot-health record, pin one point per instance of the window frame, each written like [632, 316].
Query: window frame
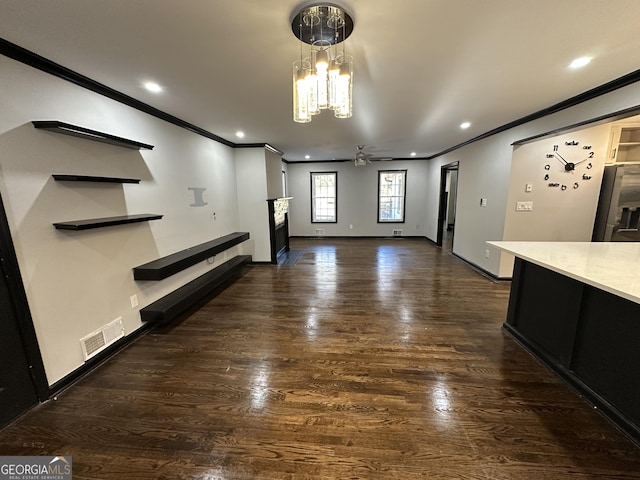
[312, 192]
[404, 195]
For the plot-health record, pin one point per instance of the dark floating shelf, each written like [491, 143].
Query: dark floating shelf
[76, 131]
[167, 266]
[89, 178]
[171, 306]
[106, 221]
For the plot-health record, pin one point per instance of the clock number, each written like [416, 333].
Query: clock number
[546, 177]
[576, 185]
[586, 147]
[554, 184]
[550, 155]
[563, 188]
[555, 148]
[591, 154]
[589, 166]
[547, 166]
[572, 143]
[586, 177]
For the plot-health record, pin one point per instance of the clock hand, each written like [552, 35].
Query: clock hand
[578, 163]
[559, 157]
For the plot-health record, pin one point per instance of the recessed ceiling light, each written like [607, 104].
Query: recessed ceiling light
[240, 134]
[580, 62]
[413, 154]
[465, 125]
[152, 87]
[307, 157]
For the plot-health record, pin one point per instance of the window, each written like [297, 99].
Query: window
[391, 195]
[324, 197]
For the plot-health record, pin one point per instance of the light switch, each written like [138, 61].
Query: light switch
[483, 202]
[528, 187]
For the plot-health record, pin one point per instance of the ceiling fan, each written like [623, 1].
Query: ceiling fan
[361, 158]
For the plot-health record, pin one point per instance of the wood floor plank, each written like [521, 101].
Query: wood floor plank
[368, 359]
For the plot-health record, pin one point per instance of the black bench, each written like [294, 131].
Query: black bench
[177, 302]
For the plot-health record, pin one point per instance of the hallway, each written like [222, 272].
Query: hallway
[366, 359]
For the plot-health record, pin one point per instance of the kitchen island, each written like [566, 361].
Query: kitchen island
[576, 307]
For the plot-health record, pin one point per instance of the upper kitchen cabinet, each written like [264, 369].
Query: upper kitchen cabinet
[625, 143]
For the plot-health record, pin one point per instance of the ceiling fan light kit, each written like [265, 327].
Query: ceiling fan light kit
[362, 159]
[323, 76]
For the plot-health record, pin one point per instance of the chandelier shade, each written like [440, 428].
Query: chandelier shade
[323, 75]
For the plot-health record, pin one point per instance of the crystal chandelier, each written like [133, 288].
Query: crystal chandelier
[323, 76]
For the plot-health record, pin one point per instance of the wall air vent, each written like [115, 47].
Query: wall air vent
[397, 232]
[97, 341]
[319, 232]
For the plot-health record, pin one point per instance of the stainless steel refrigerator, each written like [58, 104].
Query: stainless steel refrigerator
[618, 214]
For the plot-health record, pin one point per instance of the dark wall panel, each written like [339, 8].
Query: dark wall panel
[547, 310]
[607, 352]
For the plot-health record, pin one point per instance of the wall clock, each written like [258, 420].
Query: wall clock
[568, 165]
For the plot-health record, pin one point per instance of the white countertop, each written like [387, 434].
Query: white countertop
[611, 266]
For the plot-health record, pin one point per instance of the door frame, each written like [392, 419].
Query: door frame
[442, 199]
[24, 321]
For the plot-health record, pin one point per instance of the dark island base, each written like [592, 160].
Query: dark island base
[589, 337]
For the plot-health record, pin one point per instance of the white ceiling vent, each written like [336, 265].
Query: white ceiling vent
[97, 341]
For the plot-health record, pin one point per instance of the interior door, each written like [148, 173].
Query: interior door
[446, 200]
[17, 389]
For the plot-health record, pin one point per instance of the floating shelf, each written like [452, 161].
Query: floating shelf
[106, 221]
[89, 178]
[76, 131]
[175, 303]
[167, 266]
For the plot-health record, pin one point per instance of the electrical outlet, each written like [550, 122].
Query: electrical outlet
[524, 206]
[134, 300]
[487, 253]
[350, 227]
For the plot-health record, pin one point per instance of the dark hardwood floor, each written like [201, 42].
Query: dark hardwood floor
[368, 359]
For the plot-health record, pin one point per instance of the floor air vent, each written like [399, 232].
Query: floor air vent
[97, 341]
[397, 232]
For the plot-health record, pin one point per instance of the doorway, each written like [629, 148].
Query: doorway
[447, 206]
[22, 378]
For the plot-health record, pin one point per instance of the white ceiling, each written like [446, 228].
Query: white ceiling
[422, 67]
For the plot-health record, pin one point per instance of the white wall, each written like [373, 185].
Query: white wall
[357, 199]
[485, 172]
[558, 215]
[251, 171]
[273, 165]
[285, 187]
[78, 281]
